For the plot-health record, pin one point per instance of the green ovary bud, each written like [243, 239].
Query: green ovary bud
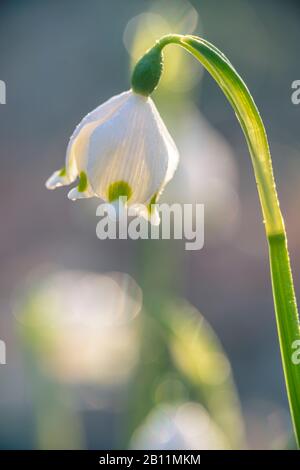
[62, 171]
[147, 72]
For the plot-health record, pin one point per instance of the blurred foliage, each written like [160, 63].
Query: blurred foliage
[182, 360]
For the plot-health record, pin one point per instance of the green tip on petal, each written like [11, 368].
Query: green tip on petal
[119, 189]
[147, 72]
[62, 171]
[151, 203]
[82, 185]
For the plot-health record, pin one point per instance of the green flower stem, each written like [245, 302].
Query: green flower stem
[248, 115]
[287, 321]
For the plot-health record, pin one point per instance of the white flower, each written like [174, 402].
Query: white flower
[122, 148]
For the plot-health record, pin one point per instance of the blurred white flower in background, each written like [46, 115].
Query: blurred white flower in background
[185, 426]
[83, 327]
[207, 173]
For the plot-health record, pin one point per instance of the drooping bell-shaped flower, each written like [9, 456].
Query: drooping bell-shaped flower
[122, 149]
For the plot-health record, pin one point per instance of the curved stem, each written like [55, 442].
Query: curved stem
[248, 115]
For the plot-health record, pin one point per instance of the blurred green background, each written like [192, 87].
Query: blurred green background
[106, 345]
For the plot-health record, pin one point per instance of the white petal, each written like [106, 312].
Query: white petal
[79, 141]
[56, 180]
[132, 146]
[74, 194]
[142, 211]
[154, 217]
